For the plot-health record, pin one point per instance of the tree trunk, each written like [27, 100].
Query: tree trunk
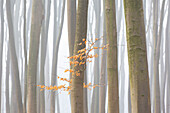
[77, 104]
[7, 82]
[103, 74]
[137, 56]
[167, 61]
[71, 17]
[14, 58]
[102, 88]
[55, 56]
[112, 62]
[14, 108]
[95, 96]
[25, 53]
[44, 39]
[157, 43]
[36, 23]
[1, 46]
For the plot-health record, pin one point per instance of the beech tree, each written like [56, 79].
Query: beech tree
[36, 23]
[137, 56]
[77, 105]
[112, 62]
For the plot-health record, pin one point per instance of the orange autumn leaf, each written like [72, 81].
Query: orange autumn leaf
[96, 39]
[66, 70]
[42, 86]
[95, 47]
[80, 63]
[80, 44]
[96, 55]
[71, 71]
[41, 89]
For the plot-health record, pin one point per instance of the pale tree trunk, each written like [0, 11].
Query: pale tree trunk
[1, 46]
[137, 56]
[155, 81]
[103, 74]
[36, 23]
[13, 107]
[71, 18]
[14, 59]
[25, 53]
[56, 40]
[77, 104]
[162, 65]
[7, 82]
[95, 96]
[157, 43]
[123, 74]
[112, 60]
[44, 38]
[71, 12]
[167, 61]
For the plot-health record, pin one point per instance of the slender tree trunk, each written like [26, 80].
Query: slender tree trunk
[14, 108]
[155, 82]
[7, 82]
[14, 58]
[55, 57]
[71, 12]
[36, 23]
[44, 38]
[95, 96]
[137, 56]
[71, 17]
[1, 46]
[25, 53]
[112, 62]
[102, 88]
[77, 104]
[157, 43]
[167, 61]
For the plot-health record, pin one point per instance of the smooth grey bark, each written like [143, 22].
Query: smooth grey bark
[71, 12]
[14, 58]
[36, 23]
[155, 81]
[71, 20]
[167, 61]
[25, 53]
[1, 46]
[89, 69]
[103, 74]
[157, 43]
[122, 74]
[13, 106]
[56, 40]
[137, 56]
[112, 57]
[95, 96]
[7, 82]
[44, 38]
[77, 95]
